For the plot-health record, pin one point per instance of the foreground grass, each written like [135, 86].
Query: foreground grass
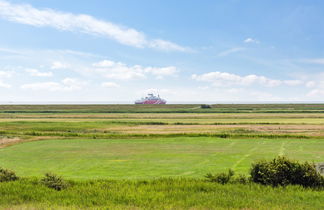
[152, 157]
[157, 194]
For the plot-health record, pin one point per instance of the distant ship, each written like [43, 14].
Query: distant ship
[151, 99]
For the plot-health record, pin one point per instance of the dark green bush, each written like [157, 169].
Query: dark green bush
[222, 178]
[282, 171]
[7, 175]
[55, 182]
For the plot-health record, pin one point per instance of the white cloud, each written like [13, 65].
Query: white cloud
[26, 14]
[51, 86]
[37, 73]
[163, 92]
[59, 65]
[168, 46]
[121, 71]
[161, 72]
[292, 82]
[67, 84]
[231, 51]
[10, 51]
[203, 87]
[73, 84]
[4, 85]
[264, 96]
[105, 63]
[313, 61]
[316, 93]
[6, 74]
[110, 85]
[251, 40]
[310, 84]
[227, 79]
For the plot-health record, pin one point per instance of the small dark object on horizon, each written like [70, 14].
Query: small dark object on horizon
[205, 106]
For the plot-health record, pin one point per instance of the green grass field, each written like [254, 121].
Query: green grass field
[155, 157]
[150, 158]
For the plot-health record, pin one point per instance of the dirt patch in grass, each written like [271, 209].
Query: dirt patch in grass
[9, 141]
[4, 141]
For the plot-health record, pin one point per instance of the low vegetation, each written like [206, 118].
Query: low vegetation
[162, 193]
[7, 175]
[229, 177]
[156, 157]
[282, 171]
[221, 178]
[54, 181]
[175, 193]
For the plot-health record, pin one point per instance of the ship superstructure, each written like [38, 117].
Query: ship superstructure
[151, 99]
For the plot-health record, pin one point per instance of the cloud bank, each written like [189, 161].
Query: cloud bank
[37, 73]
[120, 71]
[3, 76]
[67, 84]
[109, 85]
[228, 79]
[26, 14]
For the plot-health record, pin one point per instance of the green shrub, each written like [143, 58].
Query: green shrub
[55, 182]
[7, 175]
[241, 179]
[282, 171]
[222, 178]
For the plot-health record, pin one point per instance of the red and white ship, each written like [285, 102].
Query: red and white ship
[151, 99]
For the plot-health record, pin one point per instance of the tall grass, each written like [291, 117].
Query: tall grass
[166, 135]
[158, 194]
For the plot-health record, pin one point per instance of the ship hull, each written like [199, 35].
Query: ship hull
[151, 102]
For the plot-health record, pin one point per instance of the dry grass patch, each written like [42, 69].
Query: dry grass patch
[313, 130]
[4, 141]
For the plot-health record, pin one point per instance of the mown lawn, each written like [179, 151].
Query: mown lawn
[150, 158]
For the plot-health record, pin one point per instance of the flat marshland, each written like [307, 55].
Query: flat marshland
[155, 156]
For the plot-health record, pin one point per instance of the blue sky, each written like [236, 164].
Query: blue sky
[217, 51]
